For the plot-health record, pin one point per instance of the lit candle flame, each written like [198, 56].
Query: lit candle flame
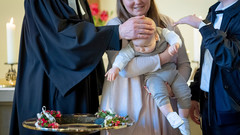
[11, 21]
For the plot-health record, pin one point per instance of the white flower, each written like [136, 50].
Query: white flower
[37, 124]
[39, 115]
[108, 117]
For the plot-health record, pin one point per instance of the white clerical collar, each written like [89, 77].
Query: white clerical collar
[72, 4]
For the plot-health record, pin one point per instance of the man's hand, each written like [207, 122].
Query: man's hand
[191, 20]
[112, 73]
[136, 27]
[195, 112]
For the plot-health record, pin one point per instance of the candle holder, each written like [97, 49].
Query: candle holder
[11, 75]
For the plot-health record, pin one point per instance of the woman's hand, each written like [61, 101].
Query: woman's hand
[136, 27]
[195, 112]
[170, 92]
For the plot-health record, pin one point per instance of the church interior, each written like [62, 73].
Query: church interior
[175, 9]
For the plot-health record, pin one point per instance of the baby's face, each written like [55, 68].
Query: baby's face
[145, 45]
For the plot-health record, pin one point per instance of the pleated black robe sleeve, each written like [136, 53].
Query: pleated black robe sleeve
[69, 48]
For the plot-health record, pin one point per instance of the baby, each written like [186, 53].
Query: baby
[155, 81]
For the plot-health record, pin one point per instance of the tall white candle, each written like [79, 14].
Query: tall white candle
[11, 45]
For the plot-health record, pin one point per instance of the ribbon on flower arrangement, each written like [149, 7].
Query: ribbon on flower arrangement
[46, 119]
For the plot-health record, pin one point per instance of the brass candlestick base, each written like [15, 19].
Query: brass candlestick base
[11, 75]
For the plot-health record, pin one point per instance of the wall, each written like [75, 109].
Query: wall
[177, 9]
[109, 5]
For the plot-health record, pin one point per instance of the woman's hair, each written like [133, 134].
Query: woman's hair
[152, 13]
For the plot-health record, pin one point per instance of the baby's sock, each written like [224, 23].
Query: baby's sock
[174, 119]
[185, 128]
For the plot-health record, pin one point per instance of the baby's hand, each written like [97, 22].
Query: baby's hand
[112, 73]
[173, 49]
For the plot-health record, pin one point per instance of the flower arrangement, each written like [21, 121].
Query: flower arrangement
[111, 119]
[99, 17]
[47, 118]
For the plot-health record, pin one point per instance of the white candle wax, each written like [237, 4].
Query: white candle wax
[11, 45]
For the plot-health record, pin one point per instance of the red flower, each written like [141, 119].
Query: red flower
[58, 116]
[49, 125]
[99, 17]
[44, 121]
[104, 15]
[94, 9]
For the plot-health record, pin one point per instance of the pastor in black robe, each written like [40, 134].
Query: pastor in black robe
[60, 61]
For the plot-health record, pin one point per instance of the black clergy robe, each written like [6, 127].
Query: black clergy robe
[60, 63]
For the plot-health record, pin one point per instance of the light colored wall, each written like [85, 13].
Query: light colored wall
[109, 5]
[177, 9]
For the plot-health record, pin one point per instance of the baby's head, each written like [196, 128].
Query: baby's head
[146, 45]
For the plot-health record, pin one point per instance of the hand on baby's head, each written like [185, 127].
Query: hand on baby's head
[146, 45]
